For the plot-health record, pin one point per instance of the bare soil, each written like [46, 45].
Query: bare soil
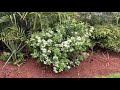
[100, 63]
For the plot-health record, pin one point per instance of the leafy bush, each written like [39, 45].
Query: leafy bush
[63, 46]
[107, 36]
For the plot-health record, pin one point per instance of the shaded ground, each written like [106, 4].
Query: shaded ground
[101, 63]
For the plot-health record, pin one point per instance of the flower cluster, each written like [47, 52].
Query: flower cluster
[61, 46]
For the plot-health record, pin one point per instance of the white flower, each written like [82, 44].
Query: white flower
[49, 51]
[65, 44]
[51, 32]
[91, 29]
[44, 62]
[76, 32]
[60, 70]
[37, 37]
[39, 40]
[49, 40]
[57, 45]
[55, 57]
[69, 40]
[62, 49]
[71, 49]
[43, 50]
[68, 67]
[44, 55]
[72, 38]
[55, 70]
[78, 38]
[44, 42]
[56, 64]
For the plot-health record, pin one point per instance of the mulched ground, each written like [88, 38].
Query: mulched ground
[101, 63]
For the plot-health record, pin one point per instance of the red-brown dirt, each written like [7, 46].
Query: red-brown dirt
[101, 63]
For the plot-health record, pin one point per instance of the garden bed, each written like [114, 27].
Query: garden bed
[60, 41]
[101, 63]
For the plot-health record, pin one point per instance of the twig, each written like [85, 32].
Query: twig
[104, 56]
[105, 59]
[108, 55]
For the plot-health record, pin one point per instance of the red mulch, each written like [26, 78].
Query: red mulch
[101, 63]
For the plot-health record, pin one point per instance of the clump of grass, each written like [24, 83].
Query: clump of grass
[116, 75]
[113, 75]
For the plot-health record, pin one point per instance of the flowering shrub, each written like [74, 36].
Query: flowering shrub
[63, 46]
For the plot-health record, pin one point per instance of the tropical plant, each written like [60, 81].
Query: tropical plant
[12, 36]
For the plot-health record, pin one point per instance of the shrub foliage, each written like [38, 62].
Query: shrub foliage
[107, 36]
[62, 46]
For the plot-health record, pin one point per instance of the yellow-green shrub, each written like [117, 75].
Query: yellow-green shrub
[107, 36]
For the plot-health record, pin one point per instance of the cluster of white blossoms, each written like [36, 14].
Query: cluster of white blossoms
[65, 44]
[44, 50]
[38, 41]
[68, 46]
[47, 61]
[57, 68]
